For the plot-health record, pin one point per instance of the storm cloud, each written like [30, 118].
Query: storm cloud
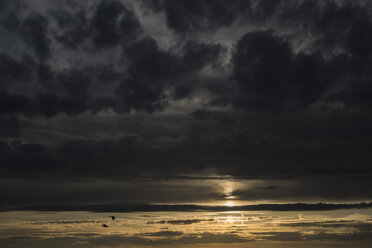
[152, 101]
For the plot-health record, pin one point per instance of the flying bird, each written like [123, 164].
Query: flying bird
[104, 225]
[113, 217]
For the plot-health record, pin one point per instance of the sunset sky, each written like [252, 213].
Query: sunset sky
[195, 122]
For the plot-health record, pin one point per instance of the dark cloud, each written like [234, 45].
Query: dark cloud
[13, 71]
[10, 126]
[163, 234]
[114, 23]
[258, 53]
[251, 90]
[44, 104]
[201, 114]
[34, 31]
[311, 78]
[361, 226]
[76, 83]
[185, 16]
[51, 104]
[179, 222]
[154, 5]
[16, 104]
[267, 187]
[295, 80]
[266, 9]
[148, 73]
[74, 29]
[345, 20]
[152, 70]
[309, 166]
[196, 55]
[326, 188]
[189, 208]
[8, 10]
[107, 74]
[323, 236]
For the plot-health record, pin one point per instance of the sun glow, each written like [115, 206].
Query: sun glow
[229, 204]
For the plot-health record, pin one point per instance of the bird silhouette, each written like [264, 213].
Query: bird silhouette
[112, 217]
[104, 225]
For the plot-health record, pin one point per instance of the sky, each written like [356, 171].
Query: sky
[194, 107]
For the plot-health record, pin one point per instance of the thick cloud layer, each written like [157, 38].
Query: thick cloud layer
[275, 96]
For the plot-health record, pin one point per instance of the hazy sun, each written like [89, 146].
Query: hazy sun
[229, 204]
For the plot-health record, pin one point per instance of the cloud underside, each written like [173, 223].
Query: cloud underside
[151, 98]
[189, 208]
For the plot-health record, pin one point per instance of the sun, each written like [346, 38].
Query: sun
[229, 204]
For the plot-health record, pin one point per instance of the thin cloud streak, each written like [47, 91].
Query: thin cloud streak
[191, 208]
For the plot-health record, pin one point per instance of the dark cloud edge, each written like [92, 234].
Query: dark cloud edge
[190, 208]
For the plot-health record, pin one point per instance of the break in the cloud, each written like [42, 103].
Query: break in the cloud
[115, 101]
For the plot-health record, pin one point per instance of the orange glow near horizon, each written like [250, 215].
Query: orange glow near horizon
[187, 229]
